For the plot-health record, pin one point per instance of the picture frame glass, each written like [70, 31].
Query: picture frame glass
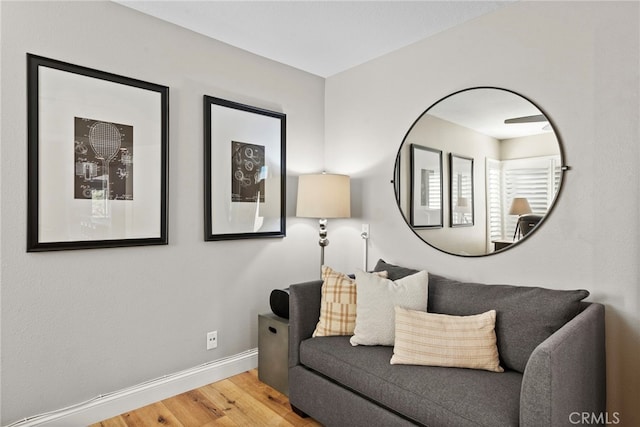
[461, 189]
[426, 187]
[244, 171]
[97, 158]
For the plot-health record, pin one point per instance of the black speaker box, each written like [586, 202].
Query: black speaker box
[279, 301]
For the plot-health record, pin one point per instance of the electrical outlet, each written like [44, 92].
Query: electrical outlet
[365, 231]
[212, 340]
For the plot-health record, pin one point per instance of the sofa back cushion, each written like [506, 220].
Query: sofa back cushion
[394, 272]
[525, 316]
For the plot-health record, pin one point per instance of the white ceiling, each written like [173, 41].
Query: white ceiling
[327, 37]
[320, 37]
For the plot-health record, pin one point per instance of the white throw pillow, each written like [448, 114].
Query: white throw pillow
[338, 304]
[377, 297]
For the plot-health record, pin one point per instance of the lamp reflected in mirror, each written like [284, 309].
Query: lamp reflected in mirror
[519, 206]
[463, 209]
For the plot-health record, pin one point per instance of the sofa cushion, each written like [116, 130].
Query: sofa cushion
[526, 316]
[394, 272]
[337, 304]
[377, 297]
[426, 394]
[444, 340]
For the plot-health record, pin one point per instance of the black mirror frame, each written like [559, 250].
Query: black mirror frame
[395, 181]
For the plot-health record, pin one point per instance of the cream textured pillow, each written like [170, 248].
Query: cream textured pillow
[443, 340]
[377, 297]
[337, 304]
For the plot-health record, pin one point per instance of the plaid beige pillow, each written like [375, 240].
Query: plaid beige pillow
[338, 304]
[443, 340]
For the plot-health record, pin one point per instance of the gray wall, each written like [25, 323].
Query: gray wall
[67, 336]
[70, 332]
[580, 62]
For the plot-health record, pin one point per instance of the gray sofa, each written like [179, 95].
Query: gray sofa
[551, 345]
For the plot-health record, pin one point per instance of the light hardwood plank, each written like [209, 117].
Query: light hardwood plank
[221, 422]
[111, 422]
[152, 415]
[269, 397]
[241, 407]
[239, 401]
[193, 408]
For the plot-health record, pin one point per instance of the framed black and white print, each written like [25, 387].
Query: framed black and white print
[461, 200]
[245, 171]
[97, 158]
[426, 187]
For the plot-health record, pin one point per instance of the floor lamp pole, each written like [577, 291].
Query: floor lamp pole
[323, 241]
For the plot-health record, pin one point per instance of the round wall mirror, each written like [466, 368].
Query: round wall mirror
[478, 171]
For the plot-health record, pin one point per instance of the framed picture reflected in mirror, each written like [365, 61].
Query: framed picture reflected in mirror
[426, 197]
[461, 200]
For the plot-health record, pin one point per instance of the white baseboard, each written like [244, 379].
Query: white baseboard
[107, 406]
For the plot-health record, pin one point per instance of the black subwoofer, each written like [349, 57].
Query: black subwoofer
[279, 301]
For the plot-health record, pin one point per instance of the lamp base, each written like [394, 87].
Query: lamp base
[515, 233]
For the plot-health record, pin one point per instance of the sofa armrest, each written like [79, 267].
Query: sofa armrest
[304, 313]
[566, 374]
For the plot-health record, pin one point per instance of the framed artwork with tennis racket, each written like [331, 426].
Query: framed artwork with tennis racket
[245, 171]
[98, 158]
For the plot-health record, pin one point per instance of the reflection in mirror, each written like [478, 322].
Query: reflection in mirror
[502, 150]
[460, 191]
[426, 187]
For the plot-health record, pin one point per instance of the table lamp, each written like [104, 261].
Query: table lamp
[519, 206]
[323, 196]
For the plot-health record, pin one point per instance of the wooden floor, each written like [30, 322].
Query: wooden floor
[241, 400]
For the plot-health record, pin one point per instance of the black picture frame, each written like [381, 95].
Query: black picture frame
[426, 188]
[461, 191]
[88, 131]
[244, 171]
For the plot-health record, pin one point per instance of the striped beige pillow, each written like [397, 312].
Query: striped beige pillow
[337, 304]
[443, 340]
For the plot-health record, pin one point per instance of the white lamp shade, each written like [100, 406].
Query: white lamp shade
[324, 196]
[462, 205]
[520, 206]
